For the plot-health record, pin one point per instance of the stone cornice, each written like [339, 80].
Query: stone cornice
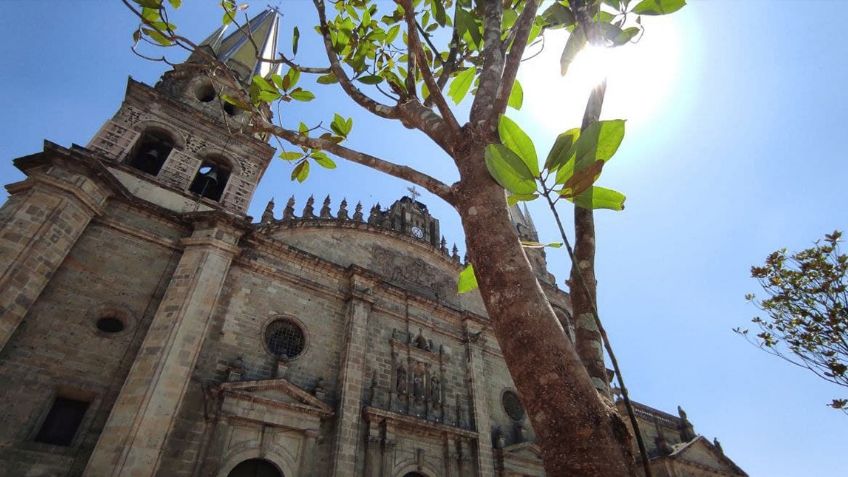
[410, 422]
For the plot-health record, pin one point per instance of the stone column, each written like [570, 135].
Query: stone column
[351, 376]
[42, 219]
[135, 433]
[480, 408]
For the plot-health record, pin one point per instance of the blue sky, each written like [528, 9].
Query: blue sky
[741, 154]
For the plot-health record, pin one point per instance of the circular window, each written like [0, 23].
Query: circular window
[110, 324]
[205, 93]
[285, 339]
[512, 405]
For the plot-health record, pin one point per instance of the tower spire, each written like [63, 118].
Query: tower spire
[238, 50]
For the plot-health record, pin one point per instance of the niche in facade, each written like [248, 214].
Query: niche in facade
[152, 150]
[211, 179]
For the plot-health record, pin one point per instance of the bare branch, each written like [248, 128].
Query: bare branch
[513, 60]
[416, 49]
[406, 173]
[361, 98]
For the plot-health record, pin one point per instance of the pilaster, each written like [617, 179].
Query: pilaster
[43, 218]
[475, 337]
[352, 374]
[135, 433]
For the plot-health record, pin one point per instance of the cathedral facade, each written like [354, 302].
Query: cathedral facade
[148, 326]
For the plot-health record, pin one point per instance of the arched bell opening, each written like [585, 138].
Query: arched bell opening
[211, 178]
[255, 468]
[153, 149]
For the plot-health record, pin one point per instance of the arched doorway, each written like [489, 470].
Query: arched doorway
[255, 468]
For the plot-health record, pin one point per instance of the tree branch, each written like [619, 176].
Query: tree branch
[421, 63]
[406, 173]
[513, 60]
[493, 62]
[382, 110]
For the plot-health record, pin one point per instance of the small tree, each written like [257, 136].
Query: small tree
[807, 310]
[403, 61]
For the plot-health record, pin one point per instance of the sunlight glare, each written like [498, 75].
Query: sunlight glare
[640, 79]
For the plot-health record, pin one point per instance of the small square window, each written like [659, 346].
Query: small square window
[62, 422]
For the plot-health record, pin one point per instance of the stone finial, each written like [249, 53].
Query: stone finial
[455, 253]
[288, 212]
[687, 430]
[342, 214]
[374, 217]
[357, 212]
[465, 259]
[443, 245]
[521, 433]
[717, 445]
[325, 209]
[282, 367]
[421, 342]
[309, 209]
[268, 215]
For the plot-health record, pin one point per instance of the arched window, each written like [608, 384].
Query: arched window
[152, 150]
[211, 178]
[255, 468]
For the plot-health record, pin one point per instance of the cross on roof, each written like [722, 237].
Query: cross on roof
[414, 192]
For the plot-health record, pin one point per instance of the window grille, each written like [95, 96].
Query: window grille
[285, 339]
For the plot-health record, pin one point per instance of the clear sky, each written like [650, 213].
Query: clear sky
[735, 147]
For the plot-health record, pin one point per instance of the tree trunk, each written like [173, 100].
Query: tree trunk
[587, 335]
[580, 433]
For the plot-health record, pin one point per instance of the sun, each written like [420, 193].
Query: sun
[640, 78]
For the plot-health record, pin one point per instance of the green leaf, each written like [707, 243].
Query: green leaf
[513, 137]
[269, 96]
[626, 35]
[302, 95]
[467, 280]
[290, 156]
[460, 84]
[370, 79]
[576, 42]
[561, 150]
[513, 199]
[157, 37]
[658, 7]
[295, 40]
[600, 140]
[516, 96]
[175, 3]
[263, 84]
[149, 3]
[392, 34]
[341, 126]
[323, 160]
[509, 170]
[235, 102]
[558, 16]
[600, 198]
[300, 171]
[328, 78]
[531, 244]
[465, 24]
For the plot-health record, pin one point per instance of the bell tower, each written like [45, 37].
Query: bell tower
[177, 144]
[527, 232]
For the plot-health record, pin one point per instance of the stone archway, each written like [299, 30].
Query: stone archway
[255, 468]
[414, 474]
